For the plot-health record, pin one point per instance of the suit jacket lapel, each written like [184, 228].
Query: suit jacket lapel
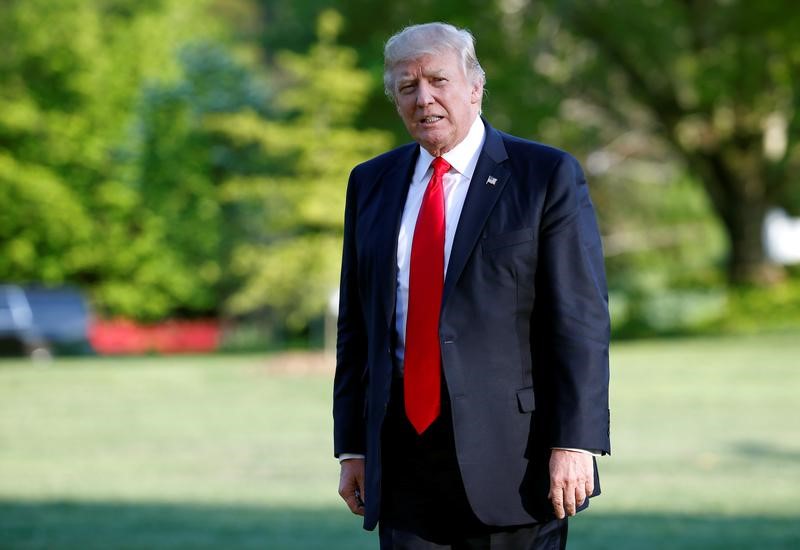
[394, 189]
[481, 198]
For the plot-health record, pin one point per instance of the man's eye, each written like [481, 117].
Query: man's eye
[406, 89]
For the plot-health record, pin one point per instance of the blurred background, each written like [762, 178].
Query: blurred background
[172, 179]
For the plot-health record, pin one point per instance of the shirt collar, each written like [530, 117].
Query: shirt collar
[463, 157]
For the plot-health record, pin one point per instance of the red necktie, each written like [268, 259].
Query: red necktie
[422, 377]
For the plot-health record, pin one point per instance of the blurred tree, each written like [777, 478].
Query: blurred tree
[289, 258]
[44, 227]
[709, 84]
[717, 81]
[105, 175]
[142, 157]
[175, 166]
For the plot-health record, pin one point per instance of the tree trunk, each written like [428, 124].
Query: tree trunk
[747, 260]
[739, 197]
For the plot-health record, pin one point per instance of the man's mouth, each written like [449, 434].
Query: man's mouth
[431, 119]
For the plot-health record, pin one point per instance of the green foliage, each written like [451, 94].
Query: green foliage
[46, 227]
[144, 158]
[289, 261]
[107, 178]
[754, 309]
[148, 164]
[663, 310]
[706, 82]
[173, 167]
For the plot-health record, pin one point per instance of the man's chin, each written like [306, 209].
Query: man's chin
[434, 144]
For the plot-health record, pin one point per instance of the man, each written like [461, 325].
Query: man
[471, 386]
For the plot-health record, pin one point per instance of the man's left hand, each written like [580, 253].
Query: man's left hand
[571, 480]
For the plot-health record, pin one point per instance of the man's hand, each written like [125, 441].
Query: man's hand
[571, 480]
[351, 484]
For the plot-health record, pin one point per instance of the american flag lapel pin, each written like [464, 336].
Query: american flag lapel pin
[491, 180]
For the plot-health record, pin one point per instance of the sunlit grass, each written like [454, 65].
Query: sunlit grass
[235, 452]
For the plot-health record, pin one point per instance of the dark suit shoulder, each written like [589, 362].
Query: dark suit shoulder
[376, 166]
[517, 146]
[543, 158]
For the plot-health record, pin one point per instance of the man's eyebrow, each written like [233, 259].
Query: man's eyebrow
[408, 78]
[437, 72]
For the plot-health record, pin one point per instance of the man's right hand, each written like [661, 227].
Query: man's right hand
[351, 484]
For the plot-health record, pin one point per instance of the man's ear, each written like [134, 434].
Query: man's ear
[476, 93]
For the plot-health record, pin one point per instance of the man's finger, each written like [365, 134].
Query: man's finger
[350, 495]
[569, 501]
[556, 497]
[580, 495]
[354, 505]
[351, 499]
[589, 487]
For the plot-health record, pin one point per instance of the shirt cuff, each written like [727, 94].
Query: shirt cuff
[349, 456]
[592, 452]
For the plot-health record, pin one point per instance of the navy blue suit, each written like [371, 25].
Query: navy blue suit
[524, 326]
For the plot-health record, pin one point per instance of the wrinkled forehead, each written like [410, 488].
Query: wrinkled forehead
[434, 63]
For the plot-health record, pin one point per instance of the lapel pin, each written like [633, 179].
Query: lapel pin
[491, 180]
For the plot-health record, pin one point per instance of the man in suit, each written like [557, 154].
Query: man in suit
[471, 386]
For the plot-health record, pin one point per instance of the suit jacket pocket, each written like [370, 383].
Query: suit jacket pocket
[526, 400]
[503, 240]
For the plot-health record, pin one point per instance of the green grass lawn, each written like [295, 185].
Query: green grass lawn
[235, 452]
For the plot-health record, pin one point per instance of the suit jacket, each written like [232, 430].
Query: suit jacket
[524, 326]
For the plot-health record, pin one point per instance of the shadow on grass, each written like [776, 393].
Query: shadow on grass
[765, 451]
[674, 531]
[161, 526]
[111, 525]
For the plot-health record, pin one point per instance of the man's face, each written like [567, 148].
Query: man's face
[436, 100]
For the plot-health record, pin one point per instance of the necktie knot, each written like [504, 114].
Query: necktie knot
[440, 166]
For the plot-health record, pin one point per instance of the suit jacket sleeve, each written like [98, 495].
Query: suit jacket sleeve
[573, 314]
[351, 347]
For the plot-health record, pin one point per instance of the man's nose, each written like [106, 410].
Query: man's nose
[424, 96]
